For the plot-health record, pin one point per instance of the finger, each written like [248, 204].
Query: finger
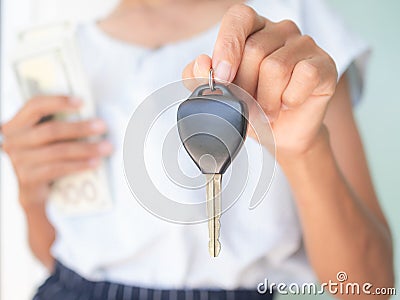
[237, 24]
[39, 107]
[258, 46]
[55, 131]
[314, 77]
[275, 73]
[198, 69]
[62, 152]
[49, 172]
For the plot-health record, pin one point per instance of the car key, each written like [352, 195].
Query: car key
[212, 129]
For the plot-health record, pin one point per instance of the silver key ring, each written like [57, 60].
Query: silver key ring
[211, 81]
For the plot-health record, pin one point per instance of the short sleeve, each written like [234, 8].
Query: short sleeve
[349, 52]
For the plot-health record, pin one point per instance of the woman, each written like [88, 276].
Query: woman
[323, 179]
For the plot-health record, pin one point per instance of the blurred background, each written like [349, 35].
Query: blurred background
[378, 117]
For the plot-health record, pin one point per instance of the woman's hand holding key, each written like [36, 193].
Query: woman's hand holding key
[293, 80]
[42, 152]
[289, 75]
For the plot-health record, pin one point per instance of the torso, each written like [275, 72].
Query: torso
[130, 245]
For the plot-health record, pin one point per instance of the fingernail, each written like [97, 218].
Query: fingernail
[75, 100]
[196, 69]
[223, 71]
[98, 125]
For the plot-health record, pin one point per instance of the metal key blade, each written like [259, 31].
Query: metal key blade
[214, 212]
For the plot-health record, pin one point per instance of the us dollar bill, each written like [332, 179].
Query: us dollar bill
[47, 62]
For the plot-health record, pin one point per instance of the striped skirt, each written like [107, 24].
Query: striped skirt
[65, 284]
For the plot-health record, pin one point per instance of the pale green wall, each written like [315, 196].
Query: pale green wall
[378, 22]
[378, 115]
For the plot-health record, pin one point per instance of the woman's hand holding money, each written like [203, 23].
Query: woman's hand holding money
[41, 152]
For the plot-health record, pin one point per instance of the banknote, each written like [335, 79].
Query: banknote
[47, 62]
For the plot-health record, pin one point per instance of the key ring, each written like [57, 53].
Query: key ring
[211, 82]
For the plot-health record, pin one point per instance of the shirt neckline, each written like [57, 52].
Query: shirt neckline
[107, 38]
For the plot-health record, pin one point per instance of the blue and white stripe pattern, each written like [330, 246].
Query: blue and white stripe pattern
[65, 284]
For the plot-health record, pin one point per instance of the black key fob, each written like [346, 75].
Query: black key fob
[212, 127]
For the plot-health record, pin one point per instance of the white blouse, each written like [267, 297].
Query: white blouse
[131, 246]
